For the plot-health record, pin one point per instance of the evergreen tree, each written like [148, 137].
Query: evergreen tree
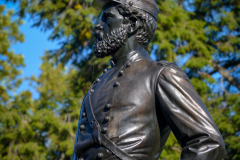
[56, 111]
[34, 129]
[15, 130]
[202, 36]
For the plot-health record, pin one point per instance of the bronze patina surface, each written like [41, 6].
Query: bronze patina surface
[131, 108]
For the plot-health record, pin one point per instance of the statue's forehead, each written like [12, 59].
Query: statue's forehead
[109, 9]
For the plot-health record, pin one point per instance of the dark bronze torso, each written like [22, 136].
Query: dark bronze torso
[131, 123]
[137, 104]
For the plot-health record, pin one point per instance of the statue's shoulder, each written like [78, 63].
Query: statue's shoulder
[165, 63]
[160, 65]
[169, 69]
[168, 65]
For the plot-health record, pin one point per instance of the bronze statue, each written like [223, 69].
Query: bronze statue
[131, 108]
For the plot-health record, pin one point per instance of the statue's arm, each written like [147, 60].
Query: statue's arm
[187, 116]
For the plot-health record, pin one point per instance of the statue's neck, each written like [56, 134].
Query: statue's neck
[129, 57]
[129, 53]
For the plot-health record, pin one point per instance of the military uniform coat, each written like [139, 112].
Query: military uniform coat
[137, 105]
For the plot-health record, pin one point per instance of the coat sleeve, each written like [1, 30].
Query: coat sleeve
[187, 116]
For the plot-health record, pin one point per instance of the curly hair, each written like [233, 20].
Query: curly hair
[148, 24]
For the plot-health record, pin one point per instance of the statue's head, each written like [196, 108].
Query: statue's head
[124, 21]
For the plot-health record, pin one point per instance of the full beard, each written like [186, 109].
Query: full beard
[111, 43]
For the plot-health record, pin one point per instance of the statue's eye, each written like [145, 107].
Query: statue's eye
[107, 16]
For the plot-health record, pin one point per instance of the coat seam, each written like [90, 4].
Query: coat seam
[157, 79]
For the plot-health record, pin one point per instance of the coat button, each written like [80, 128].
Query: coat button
[116, 84]
[91, 91]
[108, 106]
[97, 80]
[106, 119]
[105, 71]
[121, 72]
[104, 130]
[128, 64]
[100, 155]
[84, 115]
[82, 127]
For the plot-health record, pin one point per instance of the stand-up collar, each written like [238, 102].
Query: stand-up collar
[129, 58]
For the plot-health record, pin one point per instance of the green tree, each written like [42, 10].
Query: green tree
[42, 128]
[14, 108]
[56, 111]
[202, 36]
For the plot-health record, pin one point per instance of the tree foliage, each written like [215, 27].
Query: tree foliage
[13, 108]
[201, 36]
[56, 111]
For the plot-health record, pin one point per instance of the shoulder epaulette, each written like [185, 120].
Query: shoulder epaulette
[164, 63]
[170, 65]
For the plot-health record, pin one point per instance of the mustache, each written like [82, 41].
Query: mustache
[99, 35]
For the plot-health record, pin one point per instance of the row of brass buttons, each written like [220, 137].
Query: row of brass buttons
[107, 106]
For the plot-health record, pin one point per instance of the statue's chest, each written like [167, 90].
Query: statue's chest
[122, 89]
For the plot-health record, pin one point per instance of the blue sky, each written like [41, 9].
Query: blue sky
[35, 44]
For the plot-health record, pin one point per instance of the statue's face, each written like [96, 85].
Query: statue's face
[110, 32]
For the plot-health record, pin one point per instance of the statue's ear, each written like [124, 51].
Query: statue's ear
[134, 26]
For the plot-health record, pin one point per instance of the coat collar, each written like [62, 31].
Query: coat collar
[129, 58]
